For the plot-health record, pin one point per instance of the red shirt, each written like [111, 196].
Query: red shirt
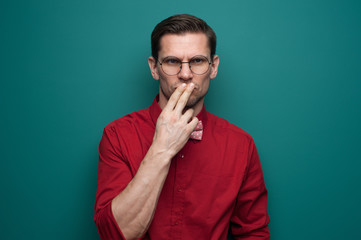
[212, 184]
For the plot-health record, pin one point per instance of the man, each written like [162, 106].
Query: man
[174, 170]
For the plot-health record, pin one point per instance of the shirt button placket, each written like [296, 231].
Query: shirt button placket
[179, 201]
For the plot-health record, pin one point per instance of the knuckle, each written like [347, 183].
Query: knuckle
[191, 111]
[189, 129]
[162, 116]
[173, 118]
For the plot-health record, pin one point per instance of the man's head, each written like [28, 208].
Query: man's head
[181, 24]
[183, 51]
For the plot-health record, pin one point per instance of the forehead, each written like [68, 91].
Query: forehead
[184, 45]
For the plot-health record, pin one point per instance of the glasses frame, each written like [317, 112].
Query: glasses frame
[181, 65]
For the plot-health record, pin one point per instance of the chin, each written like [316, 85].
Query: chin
[193, 101]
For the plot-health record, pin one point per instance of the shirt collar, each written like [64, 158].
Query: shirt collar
[155, 111]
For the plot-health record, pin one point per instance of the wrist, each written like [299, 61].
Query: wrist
[159, 155]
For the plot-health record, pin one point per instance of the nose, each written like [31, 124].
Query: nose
[185, 72]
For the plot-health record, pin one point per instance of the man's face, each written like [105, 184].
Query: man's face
[184, 47]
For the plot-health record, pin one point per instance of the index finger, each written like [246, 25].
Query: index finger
[175, 97]
[182, 102]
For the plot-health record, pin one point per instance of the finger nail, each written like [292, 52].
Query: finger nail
[183, 85]
[191, 85]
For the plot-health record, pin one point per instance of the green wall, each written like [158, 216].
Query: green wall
[289, 75]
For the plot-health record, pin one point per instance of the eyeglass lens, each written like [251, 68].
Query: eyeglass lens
[172, 65]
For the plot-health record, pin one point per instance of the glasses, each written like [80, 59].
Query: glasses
[172, 66]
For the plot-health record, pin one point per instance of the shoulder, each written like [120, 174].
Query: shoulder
[129, 121]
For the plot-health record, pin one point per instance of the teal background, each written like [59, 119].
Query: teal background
[289, 75]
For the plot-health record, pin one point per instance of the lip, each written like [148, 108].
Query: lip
[195, 86]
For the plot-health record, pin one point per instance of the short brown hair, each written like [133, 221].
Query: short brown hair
[180, 24]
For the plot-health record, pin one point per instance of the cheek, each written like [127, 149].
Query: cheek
[166, 83]
[205, 84]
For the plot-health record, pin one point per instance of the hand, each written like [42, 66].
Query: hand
[174, 127]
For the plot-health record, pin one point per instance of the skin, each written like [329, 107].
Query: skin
[181, 98]
[184, 47]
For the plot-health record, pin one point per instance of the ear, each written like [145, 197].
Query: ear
[214, 67]
[153, 67]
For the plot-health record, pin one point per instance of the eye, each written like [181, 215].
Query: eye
[198, 60]
[171, 61]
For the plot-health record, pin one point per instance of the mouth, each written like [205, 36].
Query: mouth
[195, 86]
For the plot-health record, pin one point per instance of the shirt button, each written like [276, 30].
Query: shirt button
[181, 156]
[179, 189]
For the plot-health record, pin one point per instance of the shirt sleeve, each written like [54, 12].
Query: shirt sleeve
[113, 176]
[250, 218]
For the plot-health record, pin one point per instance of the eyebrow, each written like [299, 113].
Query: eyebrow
[189, 59]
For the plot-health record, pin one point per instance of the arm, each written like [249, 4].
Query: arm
[133, 209]
[250, 218]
